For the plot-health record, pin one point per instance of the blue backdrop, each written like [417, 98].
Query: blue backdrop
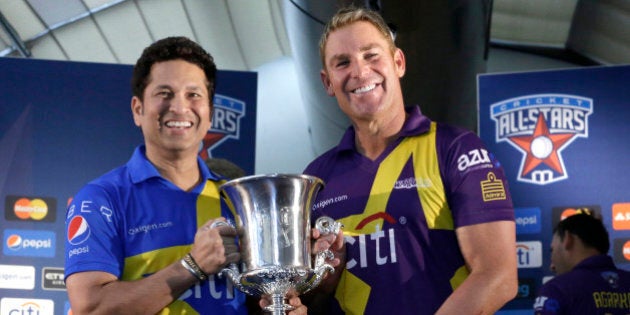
[561, 137]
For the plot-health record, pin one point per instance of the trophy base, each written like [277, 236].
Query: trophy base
[278, 307]
[277, 280]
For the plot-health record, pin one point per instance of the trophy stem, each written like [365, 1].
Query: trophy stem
[278, 307]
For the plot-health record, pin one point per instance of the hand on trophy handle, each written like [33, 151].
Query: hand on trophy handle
[329, 239]
[215, 246]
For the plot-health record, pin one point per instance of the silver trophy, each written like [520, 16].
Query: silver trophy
[273, 211]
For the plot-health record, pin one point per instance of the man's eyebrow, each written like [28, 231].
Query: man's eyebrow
[362, 49]
[162, 86]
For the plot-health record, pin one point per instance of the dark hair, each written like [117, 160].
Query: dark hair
[172, 48]
[588, 228]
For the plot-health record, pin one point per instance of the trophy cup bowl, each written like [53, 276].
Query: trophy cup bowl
[273, 211]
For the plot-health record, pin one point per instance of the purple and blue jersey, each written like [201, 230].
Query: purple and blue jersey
[401, 210]
[594, 286]
[131, 223]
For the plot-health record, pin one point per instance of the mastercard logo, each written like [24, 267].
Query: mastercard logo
[14, 242]
[626, 250]
[78, 230]
[571, 211]
[35, 209]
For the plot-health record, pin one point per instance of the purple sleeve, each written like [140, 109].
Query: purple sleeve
[548, 301]
[475, 183]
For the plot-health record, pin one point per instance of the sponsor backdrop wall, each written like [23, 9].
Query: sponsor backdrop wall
[562, 139]
[61, 125]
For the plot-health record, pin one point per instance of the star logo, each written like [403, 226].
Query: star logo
[226, 117]
[541, 126]
[542, 147]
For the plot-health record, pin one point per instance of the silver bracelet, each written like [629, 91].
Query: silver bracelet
[189, 263]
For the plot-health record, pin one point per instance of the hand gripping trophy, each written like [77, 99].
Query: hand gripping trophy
[273, 211]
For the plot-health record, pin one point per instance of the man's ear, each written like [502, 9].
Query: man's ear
[568, 242]
[399, 61]
[326, 82]
[136, 109]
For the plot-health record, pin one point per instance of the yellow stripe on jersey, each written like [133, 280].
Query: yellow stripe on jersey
[178, 307]
[356, 302]
[428, 181]
[208, 203]
[152, 262]
[460, 275]
[352, 293]
[208, 207]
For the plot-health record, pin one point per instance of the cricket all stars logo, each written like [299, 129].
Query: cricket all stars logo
[226, 119]
[541, 126]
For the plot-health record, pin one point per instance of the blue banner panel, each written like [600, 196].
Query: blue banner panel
[560, 136]
[63, 124]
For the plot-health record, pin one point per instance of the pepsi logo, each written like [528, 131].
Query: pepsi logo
[14, 242]
[78, 230]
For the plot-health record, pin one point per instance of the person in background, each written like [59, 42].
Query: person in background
[427, 215]
[225, 168]
[587, 281]
[149, 236]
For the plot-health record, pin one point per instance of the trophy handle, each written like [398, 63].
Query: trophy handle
[326, 225]
[232, 272]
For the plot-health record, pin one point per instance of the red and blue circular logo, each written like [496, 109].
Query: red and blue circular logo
[78, 230]
[14, 242]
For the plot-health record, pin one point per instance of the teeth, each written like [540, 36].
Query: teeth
[178, 124]
[365, 89]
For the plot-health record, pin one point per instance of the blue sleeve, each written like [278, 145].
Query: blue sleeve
[92, 240]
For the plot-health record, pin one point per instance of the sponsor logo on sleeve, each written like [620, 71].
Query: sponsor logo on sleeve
[21, 208]
[541, 126]
[33, 243]
[528, 220]
[474, 159]
[17, 277]
[78, 230]
[493, 188]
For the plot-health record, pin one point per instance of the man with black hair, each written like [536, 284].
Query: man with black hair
[587, 281]
[147, 237]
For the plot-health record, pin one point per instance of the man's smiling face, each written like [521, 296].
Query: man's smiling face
[175, 111]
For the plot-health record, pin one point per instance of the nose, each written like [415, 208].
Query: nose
[178, 103]
[359, 69]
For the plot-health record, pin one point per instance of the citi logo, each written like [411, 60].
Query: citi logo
[16, 306]
[529, 254]
[378, 248]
